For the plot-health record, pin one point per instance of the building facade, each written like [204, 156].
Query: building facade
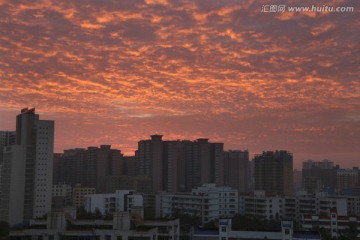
[90, 167]
[180, 165]
[108, 203]
[209, 202]
[26, 184]
[237, 170]
[295, 207]
[79, 193]
[319, 176]
[274, 172]
[7, 138]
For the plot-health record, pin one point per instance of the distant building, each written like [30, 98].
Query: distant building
[204, 163]
[26, 183]
[319, 176]
[180, 165]
[129, 167]
[297, 177]
[141, 184]
[274, 172]
[237, 170]
[79, 193]
[57, 168]
[70, 167]
[347, 179]
[90, 167]
[151, 163]
[209, 202]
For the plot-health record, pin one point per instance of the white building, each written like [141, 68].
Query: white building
[209, 202]
[266, 207]
[334, 224]
[26, 185]
[121, 200]
[294, 207]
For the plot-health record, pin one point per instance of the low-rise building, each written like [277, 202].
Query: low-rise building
[226, 232]
[108, 203]
[335, 225]
[294, 207]
[209, 202]
[266, 207]
[79, 192]
[124, 225]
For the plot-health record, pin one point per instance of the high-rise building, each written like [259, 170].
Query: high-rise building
[237, 170]
[90, 167]
[319, 176]
[173, 157]
[180, 165]
[204, 163]
[7, 138]
[297, 176]
[57, 168]
[150, 157]
[274, 172]
[129, 166]
[26, 184]
[347, 179]
[71, 167]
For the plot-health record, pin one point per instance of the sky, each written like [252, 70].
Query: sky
[116, 71]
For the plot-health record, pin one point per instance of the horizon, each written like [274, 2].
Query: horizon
[296, 165]
[115, 72]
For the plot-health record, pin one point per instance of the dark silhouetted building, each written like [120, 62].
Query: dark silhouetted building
[180, 165]
[319, 176]
[347, 180]
[90, 167]
[274, 172]
[237, 170]
[151, 160]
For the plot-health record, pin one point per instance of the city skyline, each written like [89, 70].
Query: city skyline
[116, 72]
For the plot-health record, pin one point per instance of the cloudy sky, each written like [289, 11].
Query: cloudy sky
[117, 71]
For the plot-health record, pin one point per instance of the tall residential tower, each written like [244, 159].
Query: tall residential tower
[26, 184]
[274, 172]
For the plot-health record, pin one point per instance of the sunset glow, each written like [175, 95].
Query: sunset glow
[114, 72]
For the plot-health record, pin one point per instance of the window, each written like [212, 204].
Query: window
[223, 229]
